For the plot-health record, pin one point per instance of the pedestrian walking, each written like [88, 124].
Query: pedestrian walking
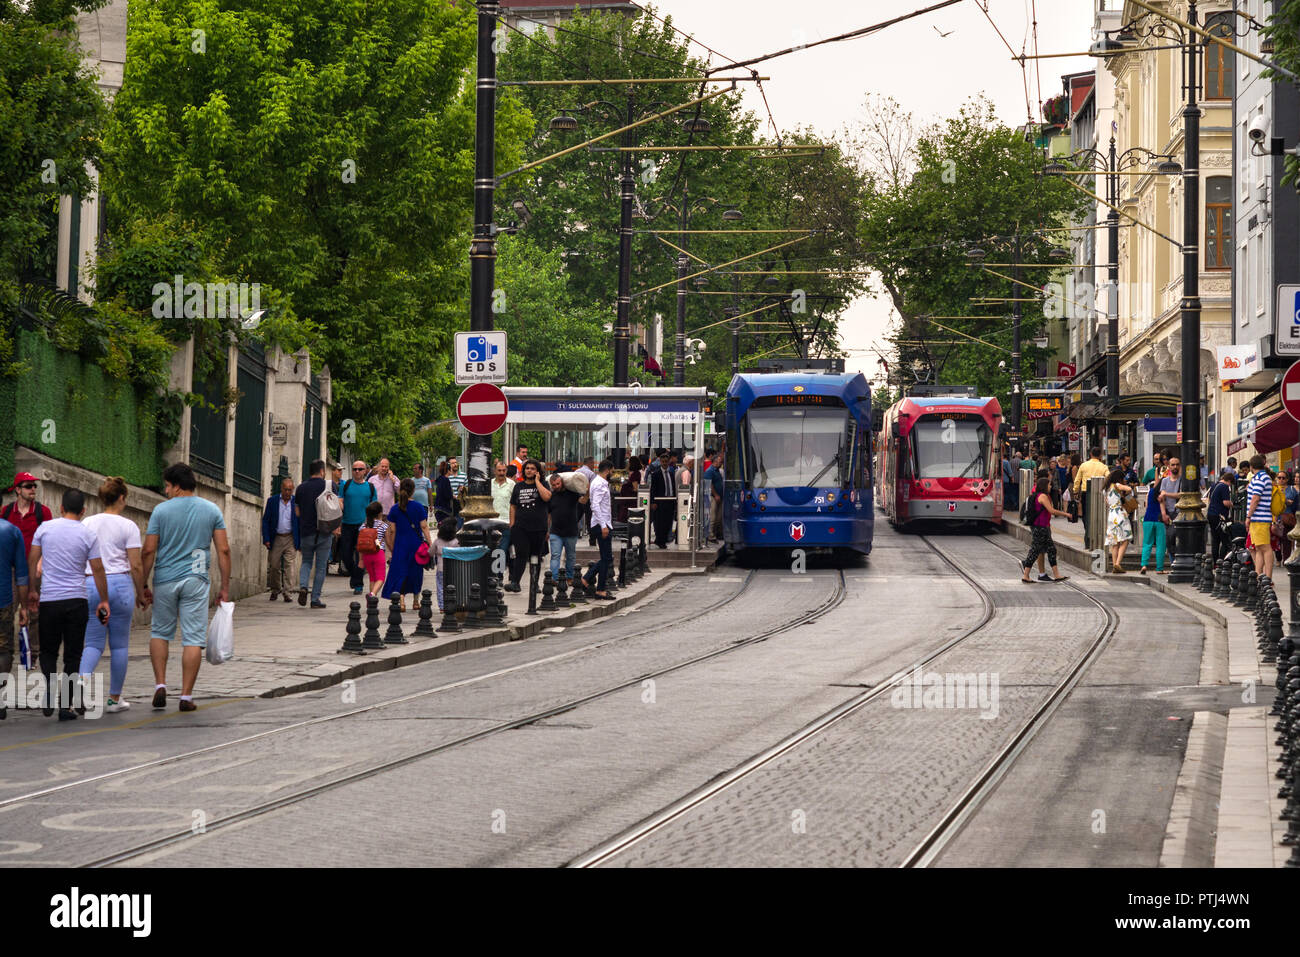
[177, 553]
[1169, 495]
[423, 485]
[356, 494]
[1093, 468]
[564, 507]
[713, 478]
[408, 529]
[1118, 530]
[1154, 523]
[119, 551]
[443, 494]
[663, 500]
[1259, 507]
[602, 520]
[281, 537]
[1277, 506]
[1040, 521]
[13, 608]
[63, 549]
[386, 486]
[501, 487]
[26, 514]
[457, 480]
[446, 538]
[528, 520]
[372, 546]
[1218, 514]
[314, 539]
[1239, 494]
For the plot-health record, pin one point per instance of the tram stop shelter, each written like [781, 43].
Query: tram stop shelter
[615, 423]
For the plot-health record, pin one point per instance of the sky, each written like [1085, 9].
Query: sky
[929, 75]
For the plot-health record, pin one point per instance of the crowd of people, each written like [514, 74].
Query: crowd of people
[72, 584]
[1248, 500]
[62, 568]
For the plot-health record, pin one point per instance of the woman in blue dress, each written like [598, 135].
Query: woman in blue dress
[408, 527]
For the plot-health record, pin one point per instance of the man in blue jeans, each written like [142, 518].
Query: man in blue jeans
[565, 507]
[176, 552]
[314, 542]
[602, 519]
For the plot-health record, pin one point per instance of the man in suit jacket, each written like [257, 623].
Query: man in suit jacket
[281, 537]
[663, 499]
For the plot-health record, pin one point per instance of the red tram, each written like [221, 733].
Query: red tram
[938, 459]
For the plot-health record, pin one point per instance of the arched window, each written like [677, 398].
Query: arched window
[1218, 222]
[1219, 77]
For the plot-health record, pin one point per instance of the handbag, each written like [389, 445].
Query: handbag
[1130, 504]
[1287, 519]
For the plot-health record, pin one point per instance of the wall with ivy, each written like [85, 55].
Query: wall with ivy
[66, 407]
[8, 389]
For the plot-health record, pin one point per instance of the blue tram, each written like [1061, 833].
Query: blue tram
[799, 468]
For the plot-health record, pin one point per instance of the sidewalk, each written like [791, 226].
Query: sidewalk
[282, 648]
[1231, 761]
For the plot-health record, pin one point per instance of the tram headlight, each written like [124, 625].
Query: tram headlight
[830, 496]
[762, 496]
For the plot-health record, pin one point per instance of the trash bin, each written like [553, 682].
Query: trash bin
[465, 566]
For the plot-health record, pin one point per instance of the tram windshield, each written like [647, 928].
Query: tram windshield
[789, 448]
[950, 448]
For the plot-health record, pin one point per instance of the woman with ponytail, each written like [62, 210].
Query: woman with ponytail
[409, 543]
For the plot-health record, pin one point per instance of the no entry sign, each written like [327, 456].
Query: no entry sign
[1291, 391]
[482, 408]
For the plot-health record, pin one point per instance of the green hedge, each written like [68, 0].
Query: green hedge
[8, 390]
[66, 407]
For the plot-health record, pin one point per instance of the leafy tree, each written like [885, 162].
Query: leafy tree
[50, 114]
[329, 159]
[968, 181]
[1283, 28]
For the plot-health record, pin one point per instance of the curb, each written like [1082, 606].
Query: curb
[1194, 814]
[473, 639]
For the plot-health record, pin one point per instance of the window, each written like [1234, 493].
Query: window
[1220, 81]
[951, 448]
[1218, 222]
[792, 448]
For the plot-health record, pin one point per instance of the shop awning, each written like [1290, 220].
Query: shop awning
[1278, 431]
[1131, 408]
[1087, 372]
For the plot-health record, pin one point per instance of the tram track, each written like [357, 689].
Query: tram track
[376, 706]
[259, 810]
[953, 819]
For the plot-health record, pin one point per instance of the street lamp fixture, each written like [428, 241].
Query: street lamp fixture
[1106, 46]
[697, 124]
[564, 123]
[1055, 168]
[732, 215]
[975, 254]
[1059, 253]
[1169, 167]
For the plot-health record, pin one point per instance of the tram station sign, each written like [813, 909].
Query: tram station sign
[1042, 406]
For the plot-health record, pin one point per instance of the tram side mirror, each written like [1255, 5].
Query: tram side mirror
[894, 430]
[877, 419]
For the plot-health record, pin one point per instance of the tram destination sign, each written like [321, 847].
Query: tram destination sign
[798, 398]
[1041, 406]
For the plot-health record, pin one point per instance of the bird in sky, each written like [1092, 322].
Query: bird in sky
[940, 32]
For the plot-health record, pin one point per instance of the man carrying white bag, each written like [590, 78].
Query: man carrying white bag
[221, 634]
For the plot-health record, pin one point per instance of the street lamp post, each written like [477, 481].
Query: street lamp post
[482, 250]
[627, 187]
[1111, 165]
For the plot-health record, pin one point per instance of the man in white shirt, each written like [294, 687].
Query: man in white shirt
[501, 488]
[602, 519]
[62, 549]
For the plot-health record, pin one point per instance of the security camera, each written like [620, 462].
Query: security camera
[1002, 364]
[1258, 128]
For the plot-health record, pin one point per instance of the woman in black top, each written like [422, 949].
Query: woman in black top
[442, 494]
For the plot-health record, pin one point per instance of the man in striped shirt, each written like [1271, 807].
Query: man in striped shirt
[1259, 496]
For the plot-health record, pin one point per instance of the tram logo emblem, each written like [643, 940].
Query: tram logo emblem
[798, 388]
[952, 506]
[796, 530]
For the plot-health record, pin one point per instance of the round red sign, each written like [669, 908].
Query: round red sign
[1291, 391]
[482, 408]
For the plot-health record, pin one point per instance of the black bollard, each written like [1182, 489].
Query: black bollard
[374, 642]
[474, 607]
[449, 620]
[1207, 574]
[352, 643]
[622, 567]
[548, 593]
[1234, 586]
[1252, 593]
[533, 568]
[578, 593]
[493, 614]
[562, 590]
[394, 634]
[424, 627]
[502, 609]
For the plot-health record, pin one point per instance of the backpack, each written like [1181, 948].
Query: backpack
[368, 541]
[1029, 509]
[329, 510]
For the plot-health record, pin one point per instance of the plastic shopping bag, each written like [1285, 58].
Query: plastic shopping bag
[25, 650]
[221, 634]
